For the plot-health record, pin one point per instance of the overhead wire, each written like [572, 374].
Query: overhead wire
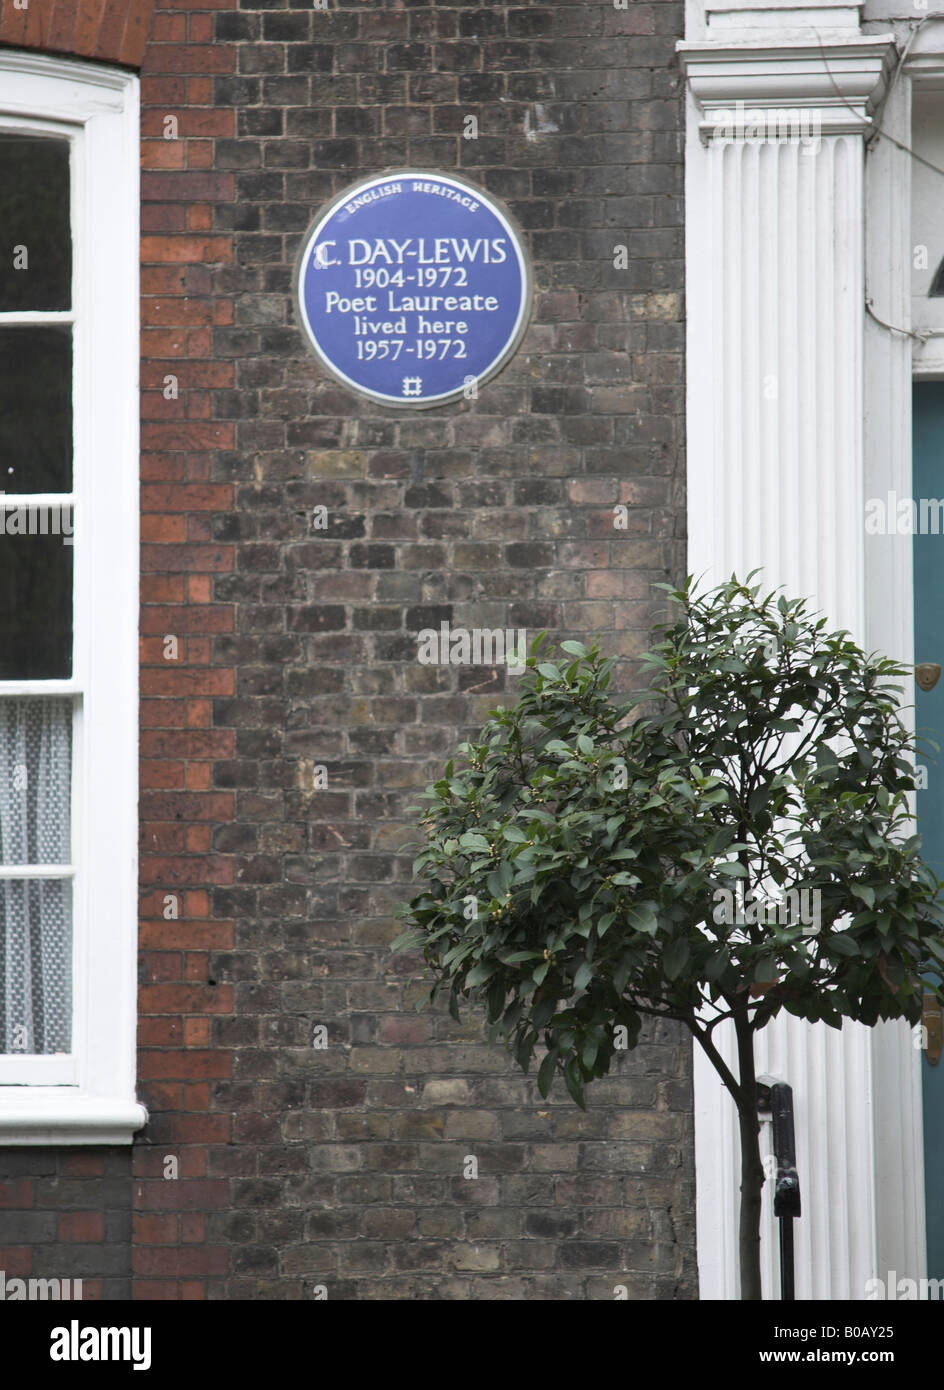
[878, 133]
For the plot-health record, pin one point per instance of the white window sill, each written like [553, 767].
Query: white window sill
[46, 1116]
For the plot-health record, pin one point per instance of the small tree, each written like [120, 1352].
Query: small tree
[732, 842]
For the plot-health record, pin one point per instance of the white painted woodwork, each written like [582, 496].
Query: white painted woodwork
[798, 408]
[89, 1097]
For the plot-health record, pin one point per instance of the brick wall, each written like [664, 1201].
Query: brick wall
[343, 1167]
[109, 31]
[66, 1214]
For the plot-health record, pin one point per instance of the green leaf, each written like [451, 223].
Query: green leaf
[644, 919]
[481, 972]
[675, 958]
[546, 1072]
[718, 964]
[574, 1082]
[842, 943]
[865, 894]
[584, 744]
[573, 648]
[543, 1012]
[472, 840]
[583, 976]
[408, 939]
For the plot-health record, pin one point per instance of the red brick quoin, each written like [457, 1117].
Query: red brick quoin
[180, 1233]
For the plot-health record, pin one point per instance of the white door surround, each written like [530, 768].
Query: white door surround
[799, 407]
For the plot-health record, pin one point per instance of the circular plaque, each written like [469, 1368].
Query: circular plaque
[413, 288]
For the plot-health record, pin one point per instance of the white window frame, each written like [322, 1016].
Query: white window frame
[89, 1097]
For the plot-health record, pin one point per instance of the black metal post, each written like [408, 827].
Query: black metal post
[776, 1097]
[786, 1259]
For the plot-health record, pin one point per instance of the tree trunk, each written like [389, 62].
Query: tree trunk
[752, 1169]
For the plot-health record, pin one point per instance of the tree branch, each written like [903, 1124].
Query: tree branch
[715, 1058]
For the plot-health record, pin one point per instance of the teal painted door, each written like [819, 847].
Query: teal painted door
[929, 719]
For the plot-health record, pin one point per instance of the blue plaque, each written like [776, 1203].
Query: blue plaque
[413, 288]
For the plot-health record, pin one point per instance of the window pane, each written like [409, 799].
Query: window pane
[36, 409]
[35, 593]
[35, 234]
[35, 781]
[35, 965]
